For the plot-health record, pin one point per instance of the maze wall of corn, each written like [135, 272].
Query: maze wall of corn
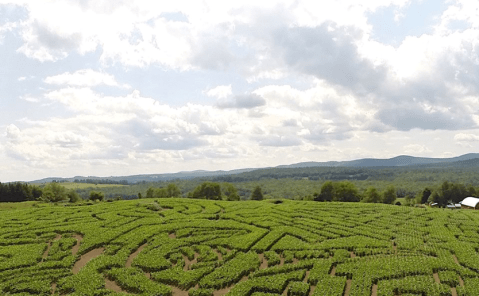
[202, 248]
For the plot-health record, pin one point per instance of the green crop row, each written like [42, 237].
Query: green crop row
[133, 280]
[232, 271]
[360, 246]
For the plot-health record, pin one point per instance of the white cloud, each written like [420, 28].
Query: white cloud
[30, 99]
[12, 132]
[416, 149]
[462, 137]
[220, 92]
[85, 77]
[309, 83]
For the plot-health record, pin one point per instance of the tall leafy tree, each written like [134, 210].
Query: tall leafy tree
[345, 191]
[372, 195]
[257, 194]
[426, 193]
[207, 190]
[327, 192]
[436, 197]
[173, 190]
[389, 195]
[230, 192]
[73, 196]
[150, 193]
[54, 192]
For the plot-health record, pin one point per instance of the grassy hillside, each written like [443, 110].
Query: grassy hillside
[167, 246]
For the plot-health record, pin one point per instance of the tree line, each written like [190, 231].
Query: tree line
[343, 191]
[206, 190]
[18, 191]
[101, 181]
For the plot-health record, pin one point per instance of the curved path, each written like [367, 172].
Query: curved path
[85, 258]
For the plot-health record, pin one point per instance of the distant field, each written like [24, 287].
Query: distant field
[248, 248]
[72, 185]
[17, 205]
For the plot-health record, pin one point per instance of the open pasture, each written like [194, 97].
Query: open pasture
[199, 247]
[73, 185]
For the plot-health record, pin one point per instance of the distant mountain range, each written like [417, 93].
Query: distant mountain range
[402, 160]
[466, 160]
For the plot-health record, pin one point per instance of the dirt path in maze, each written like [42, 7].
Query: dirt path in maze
[134, 254]
[178, 292]
[348, 287]
[224, 291]
[85, 258]
[111, 285]
[53, 288]
[374, 290]
[45, 255]
[189, 262]
[218, 253]
[333, 271]
[76, 247]
[264, 262]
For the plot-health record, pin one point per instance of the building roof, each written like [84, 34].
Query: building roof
[470, 202]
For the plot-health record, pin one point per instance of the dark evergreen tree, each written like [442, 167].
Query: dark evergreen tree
[257, 194]
[389, 195]
[327, 192]
[425, 195]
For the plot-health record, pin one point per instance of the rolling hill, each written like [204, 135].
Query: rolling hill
[466, 160]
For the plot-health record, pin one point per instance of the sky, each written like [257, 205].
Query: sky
[114, 88]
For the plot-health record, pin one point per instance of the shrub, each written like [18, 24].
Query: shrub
[95, 195]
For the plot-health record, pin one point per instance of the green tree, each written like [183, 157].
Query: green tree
[173, 190]
[345, 191]
[436, 197]
[54, 192]
[426, 193]
[36, 192]
[327, 192]
[161, 193]
[73, 196]
[96, 195]
[371, 195]
[471, 191]
[457, 192]
[230, 192]
[408, 199]
[389, 195]
[257, 194]
[207, 190]
[150, 193]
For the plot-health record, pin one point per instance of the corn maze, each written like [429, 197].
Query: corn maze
[202, 248]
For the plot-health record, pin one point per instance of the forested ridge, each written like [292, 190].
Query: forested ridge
[291, 183]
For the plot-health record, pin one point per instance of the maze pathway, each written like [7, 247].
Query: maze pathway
[202, 248]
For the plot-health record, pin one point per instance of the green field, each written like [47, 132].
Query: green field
[73, 185]
[200, 247]
[17, 205]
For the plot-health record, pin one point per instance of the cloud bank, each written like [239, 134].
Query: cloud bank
[260, 85]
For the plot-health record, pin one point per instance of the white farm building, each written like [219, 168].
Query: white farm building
[470, 202]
